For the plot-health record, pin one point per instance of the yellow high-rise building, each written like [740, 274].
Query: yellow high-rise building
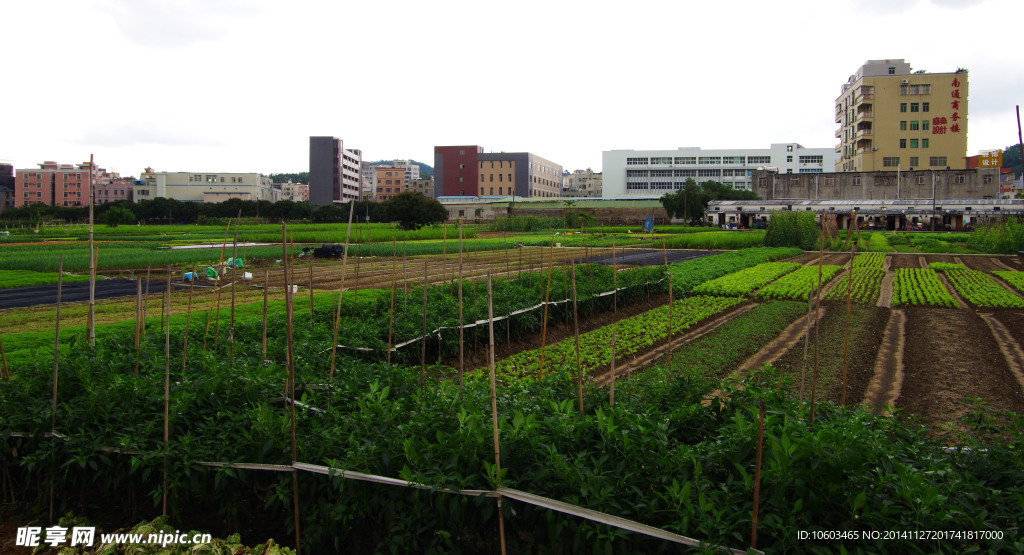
[891, 118]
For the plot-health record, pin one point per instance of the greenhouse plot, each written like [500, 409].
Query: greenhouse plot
[746, 281]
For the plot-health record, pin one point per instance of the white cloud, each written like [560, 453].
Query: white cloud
[143, 133]
[178, 23]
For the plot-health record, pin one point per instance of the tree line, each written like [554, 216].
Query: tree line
[409, 209]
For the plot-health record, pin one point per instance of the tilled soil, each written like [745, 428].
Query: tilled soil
[949, 357]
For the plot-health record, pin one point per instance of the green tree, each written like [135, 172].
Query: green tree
[691, 200]
[1011, 159]
[118, 215]
[299, 177]
[412, 210]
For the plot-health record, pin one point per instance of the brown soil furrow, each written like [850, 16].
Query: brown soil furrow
[1004, 265]
[923, 262]
[1012, 351]
[781, 344]
[602, 375]
[960, 302]
[885, 293]
[885, 385]
[949, 358]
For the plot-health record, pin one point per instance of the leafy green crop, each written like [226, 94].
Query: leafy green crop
[691, 273]
[920, 287]
[943, 266]
[980, 290]
[799, 284]
[746, 281]
[866, 286]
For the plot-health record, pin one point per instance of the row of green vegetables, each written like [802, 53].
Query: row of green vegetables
[631, 336]
[920, 287]
[746, 281]
[977, 288]
[657, 456]
[800, 284]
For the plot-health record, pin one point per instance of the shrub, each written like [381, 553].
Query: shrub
[792, 229]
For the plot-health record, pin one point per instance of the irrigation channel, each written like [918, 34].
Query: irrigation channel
[925, 361]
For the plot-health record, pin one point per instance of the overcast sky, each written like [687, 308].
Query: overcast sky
[240, 85]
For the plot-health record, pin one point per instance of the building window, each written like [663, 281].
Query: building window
[686, 159]
[492, 190]
[959, 179]
[925, 106]
[462, 179]
[481, 178]
[914, 161]
[636, 161]
[914, 125]
[915, 107]
[812, 159]
[903, 107]
[937, 161]
[903, 125]
[925, 124]
[856, 180]
[892, 71]
[499, 177]
[759, 159]
[462, 152]
[924, 143]
[986, 179]
[789, 158]
[913, 143]
[709, 160]
[661, 160]
[903, 143]
[891, 162]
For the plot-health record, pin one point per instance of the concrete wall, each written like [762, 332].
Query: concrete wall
[888, 185]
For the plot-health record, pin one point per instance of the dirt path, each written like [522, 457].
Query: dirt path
[782, 344]
[602, 376]
[885, 293]
[887, 381]
[951, 356]
[960, 302]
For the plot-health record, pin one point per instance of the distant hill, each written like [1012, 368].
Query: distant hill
[425, 170]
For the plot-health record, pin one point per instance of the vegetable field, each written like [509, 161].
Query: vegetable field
[380, 440]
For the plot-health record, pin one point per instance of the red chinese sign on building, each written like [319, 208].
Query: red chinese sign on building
[939, 125]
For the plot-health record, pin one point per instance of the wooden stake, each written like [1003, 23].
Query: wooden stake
[167, 377]
[670, 303]
[311, 295]
[266, 293]
[290, 316]
[93, 174]
[188, 318]
[494, 404]
[544, 320]
[234, 279]
[849, 296]
[56, 357]
[615, 281]
[807, 342]
[7, 373]
[576, 335]
[611, 388]
[341, 289]
[423, 335]
[444, 252]
[220, 272]
[145, 304]
[757, 477]
[391, 313]
[138, 320]
[817, 320]
[462, 325]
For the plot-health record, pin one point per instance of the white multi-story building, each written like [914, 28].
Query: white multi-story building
[655, 172]
[582, 183]
[412, 171]
[204, 187]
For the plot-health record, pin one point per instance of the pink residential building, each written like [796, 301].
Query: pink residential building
[56, 184]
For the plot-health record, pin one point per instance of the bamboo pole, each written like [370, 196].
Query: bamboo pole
[266, 293]
[462, 326]
[391, 312]
[341, 289]
[145, 304]
[167, 378]
[757, 477]
[220, 271]
[849, 296]
[188, 318]
[56, 358]
[817, 321]
[544, 320]
[576, 335]
[423, 335]
[290, 316]
[234, 280]
[611, 388]
[807, 342]
[138, 320]
[670, 322]
[7, 373]
[494, 404]
[615, 281]
[93, 174]
[444, 252]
